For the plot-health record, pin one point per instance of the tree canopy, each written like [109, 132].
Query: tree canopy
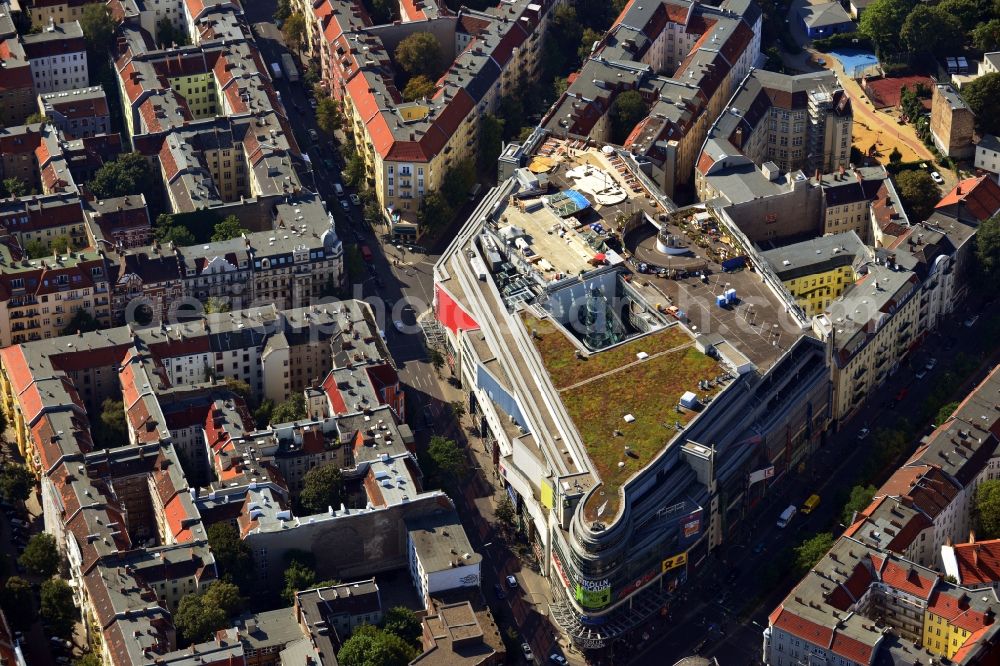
[987, 510]
[230, 227]
[294, 31]
[882, 22]
[292, 409]
[166, 230]
[983, 97]
[402, 622]
[200, 615]
[861, 496]
[111, 431]
[370, 646]
[919, 193]
[18, 602]
[322, 487]
[458, 181]
[434, 211]
[16, 482]
[626, 112]
[41, 555]
[445, 461]
[986, 36]
[420, 53]
[812, 551]
[57, 608]
[129, 174]
[232, 555]
[167, 34]
[988, 249]
[81, 321]
[14, 187]
[490, 141]
[417, 87]
[329, 116]
[931, 30]
[98, 29]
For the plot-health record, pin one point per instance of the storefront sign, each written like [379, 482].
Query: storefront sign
[559, 568]
[593, 593]
[692, 527]
[637, 584]
[674, 562]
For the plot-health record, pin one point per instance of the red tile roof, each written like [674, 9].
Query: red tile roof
[800, 627]
[978, 562]
[907, 579]
[851, 649]
[957, 611]
[980, 197]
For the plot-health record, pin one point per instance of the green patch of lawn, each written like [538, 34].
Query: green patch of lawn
[649, 390]
[565, 369]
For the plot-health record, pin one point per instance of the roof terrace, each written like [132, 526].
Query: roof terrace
[624, 401]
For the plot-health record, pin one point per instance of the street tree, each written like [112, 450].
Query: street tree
[402, 622]
[626, 112]
[228, 228]
[987, 243]
[945, 411]
[420, 53]
[283, 11]
[322, 487]
[16, 482]
[18, 602]
[418, 87]
[458, 181]
[983, 97]
[57, 608]
[861, 497]
[919, 193]
[88, 659]
[294, 31]
[434, 212]
[371, 646]
[232, 555]
[457, 409]
[505, 511]
[447, 462]
[987, 509]
[354, 173]
[329, 116]
[588, 37]
[811, 551]
[41, 555]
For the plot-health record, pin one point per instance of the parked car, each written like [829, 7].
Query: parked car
[931, 362]
[398, 324]
[313, 136]
[512, 582]
[921, 373]
[343, 204]
[937, 178]
[526, 649]
[499, 591]
[863, 433]
[971, 321]
[903, 392]
[759, 548]
[355, 199]
[557, 658]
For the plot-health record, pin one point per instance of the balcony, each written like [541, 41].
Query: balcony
[860, 372]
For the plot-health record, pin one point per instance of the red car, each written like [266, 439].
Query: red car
[902, 394]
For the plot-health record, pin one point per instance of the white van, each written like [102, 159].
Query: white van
[339, 189]
[787, 515]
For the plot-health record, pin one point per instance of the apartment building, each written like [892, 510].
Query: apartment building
[44, 12]
[409, 147]
[58, 57]
[685, 59]
[77, 113]
[17, 86]
[800, 122]
[118, 222]
[34, 155]
[818, 271]
[864, 605]
[952, 123]
[988, 156]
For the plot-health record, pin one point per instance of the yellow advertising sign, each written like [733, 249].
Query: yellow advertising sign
[674, 562]
[548, 496]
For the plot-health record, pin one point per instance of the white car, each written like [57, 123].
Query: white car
[511, 582]
[931, 362]
[921, 373]
[526, 649]
[862, 434]
[937, 178]
[557, 658]
[399, 325]
[355, 199]
[971, 321]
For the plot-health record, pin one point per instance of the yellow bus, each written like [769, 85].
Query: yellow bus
[810, 504]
